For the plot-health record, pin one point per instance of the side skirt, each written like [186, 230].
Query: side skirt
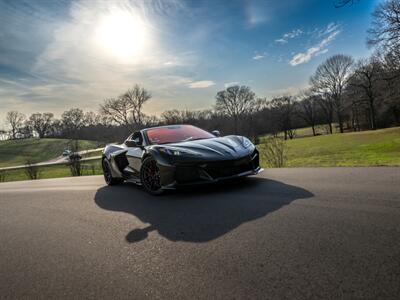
[130, 176]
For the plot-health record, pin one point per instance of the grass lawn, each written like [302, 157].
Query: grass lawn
[54, 171]
[17, 152]
[367, 148]
[306, 132]
[92, 154]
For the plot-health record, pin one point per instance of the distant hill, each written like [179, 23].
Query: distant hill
[17, 152]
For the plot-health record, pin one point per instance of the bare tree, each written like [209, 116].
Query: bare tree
[72, 121]
[251, 119]
[74, 160]
[126, 110]
[137, 97]
[392, 99]
[365, 78]
[172, 116]
[16, 120]
[307, 109]
[26, 131]
[385, 35]
[75, 165]
[356, 104]
[385, 30]
[329, 81]
[175, 116]
[235, 102]
[2, 176]
[91, 119]
[389, 86]
[31, 170]
[56, 128]
[118, 110]
[284, 108]
[149, 121]
[41, 123]
[206, 119]
[327, 110]
[390, 64]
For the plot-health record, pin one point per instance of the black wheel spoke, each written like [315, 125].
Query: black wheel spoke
[151, 176]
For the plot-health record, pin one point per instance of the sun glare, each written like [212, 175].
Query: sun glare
[122, 35]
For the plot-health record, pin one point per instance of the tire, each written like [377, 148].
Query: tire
[109, 179]
[150, 176]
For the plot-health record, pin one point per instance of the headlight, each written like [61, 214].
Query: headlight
[170, 151]
[246, 142]
[177, 152]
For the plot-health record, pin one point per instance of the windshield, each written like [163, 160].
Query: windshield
[176, 134]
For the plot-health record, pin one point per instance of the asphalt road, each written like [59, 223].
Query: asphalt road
[329, 233]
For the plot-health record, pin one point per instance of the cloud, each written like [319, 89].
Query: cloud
[281, 41]
[228, 84]
[289, 90]
[259, 56]
[80, 50]
[289, 35]
[330, 28]
[202, 84]
[330, 34]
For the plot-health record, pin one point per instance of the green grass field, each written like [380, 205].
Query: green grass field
[367, 148]
[54, 171]
[307, 132]
[17, 152]
[92, 154]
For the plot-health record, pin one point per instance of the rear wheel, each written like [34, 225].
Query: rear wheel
[150, 176]
[110, 180]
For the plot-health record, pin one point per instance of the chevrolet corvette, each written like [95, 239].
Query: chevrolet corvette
[166, 157]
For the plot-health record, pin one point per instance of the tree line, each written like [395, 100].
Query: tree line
[343, 93]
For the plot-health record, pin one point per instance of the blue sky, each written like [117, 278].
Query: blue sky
[55, 55]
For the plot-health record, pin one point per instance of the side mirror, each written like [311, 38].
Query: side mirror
[216, 133]
[131, 143]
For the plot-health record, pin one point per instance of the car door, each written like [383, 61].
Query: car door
[134, 154]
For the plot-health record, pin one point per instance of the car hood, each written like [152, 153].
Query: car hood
[220, 148]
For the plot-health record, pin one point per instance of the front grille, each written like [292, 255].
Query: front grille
[229, 168]
[214, 170]
[186, 174]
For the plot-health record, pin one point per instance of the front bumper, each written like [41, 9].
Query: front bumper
[173, 176]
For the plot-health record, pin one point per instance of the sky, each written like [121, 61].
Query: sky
[55, 55]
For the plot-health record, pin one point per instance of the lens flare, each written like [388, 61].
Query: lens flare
[122, 34]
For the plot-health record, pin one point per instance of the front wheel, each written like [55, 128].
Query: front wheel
[150, 176]
[109, 179]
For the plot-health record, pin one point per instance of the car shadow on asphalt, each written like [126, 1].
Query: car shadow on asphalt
[201, 213]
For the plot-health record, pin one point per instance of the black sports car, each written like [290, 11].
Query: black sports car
[166, 157]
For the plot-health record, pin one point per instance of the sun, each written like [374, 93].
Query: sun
[122, 35]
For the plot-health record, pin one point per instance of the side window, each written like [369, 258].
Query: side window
[137, 137]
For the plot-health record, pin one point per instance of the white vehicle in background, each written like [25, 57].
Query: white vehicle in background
[66, 152]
